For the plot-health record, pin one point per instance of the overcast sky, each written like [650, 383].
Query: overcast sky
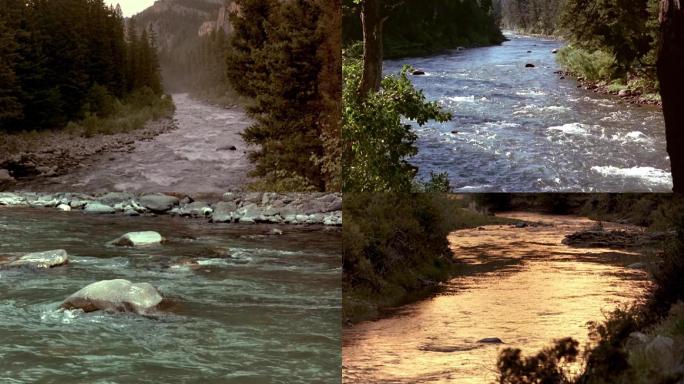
[131, 7]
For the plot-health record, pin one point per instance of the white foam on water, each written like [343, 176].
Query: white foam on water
[649, 174]
[634, 136]
[531, 92]
[574, 129]
[461, 99]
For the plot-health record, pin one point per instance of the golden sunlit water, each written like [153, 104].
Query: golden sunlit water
[521, 285]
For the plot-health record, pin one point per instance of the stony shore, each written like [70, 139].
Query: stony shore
[54, 153]
[231, 207]
[602, 88]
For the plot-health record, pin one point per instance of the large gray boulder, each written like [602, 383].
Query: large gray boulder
[47, 259]
[224, 212]
[115, 296]
[114, 198]
[98, 208]
[158, 203]
[138, 239]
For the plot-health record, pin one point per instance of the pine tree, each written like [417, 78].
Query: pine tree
[250, 24]
[10, 107]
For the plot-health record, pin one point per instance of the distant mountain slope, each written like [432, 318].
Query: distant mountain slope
[181, 28]
[177, 21]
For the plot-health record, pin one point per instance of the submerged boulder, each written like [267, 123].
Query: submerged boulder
[418, 73]
[47, 259]
[138, 239]
[115, 296]
[529, 65]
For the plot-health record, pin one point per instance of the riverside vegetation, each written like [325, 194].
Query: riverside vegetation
[639, 344]
[395, 248]
[613, 45]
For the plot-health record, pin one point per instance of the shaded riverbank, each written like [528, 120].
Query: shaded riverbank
[518, 283]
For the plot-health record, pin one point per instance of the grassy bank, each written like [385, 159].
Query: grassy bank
[117, 116]
[396, 250]
[58, 149]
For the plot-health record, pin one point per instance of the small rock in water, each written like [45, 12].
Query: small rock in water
[638, 266]
[491, 340]
[47, 259]
[529, 65]
[64, 208]
[418, 73]
[554, 51]
[454, 132]
[228, 148]
[529, 51]
[115, 296]
[98, 208]
[138, 239]
[276, 231]
[460, 49]
[624, 93]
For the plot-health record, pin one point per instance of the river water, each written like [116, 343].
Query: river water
[526, 130]
[196, 157]
[518, 284]
[268, 314]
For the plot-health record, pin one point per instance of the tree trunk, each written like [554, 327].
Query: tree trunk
[372, 19]
[671, 77]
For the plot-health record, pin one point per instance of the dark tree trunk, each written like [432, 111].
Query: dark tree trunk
[372, 19]
[671, 77]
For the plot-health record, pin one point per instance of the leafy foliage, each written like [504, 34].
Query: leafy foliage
[377, 142]
[546, 367]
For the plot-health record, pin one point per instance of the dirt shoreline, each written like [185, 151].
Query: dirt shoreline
[28, 156]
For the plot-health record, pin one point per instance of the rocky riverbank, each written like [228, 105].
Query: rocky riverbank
[55, 153]
[250, 208]
[604, 88]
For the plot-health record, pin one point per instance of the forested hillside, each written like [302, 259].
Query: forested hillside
[69, 60]
[530, 16]
[417, 28]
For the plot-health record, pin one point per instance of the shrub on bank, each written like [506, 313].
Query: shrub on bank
[395, 247]
[594, 66]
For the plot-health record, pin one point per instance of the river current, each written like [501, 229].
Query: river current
[518, 129]
[520, 285]
[259, 307]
